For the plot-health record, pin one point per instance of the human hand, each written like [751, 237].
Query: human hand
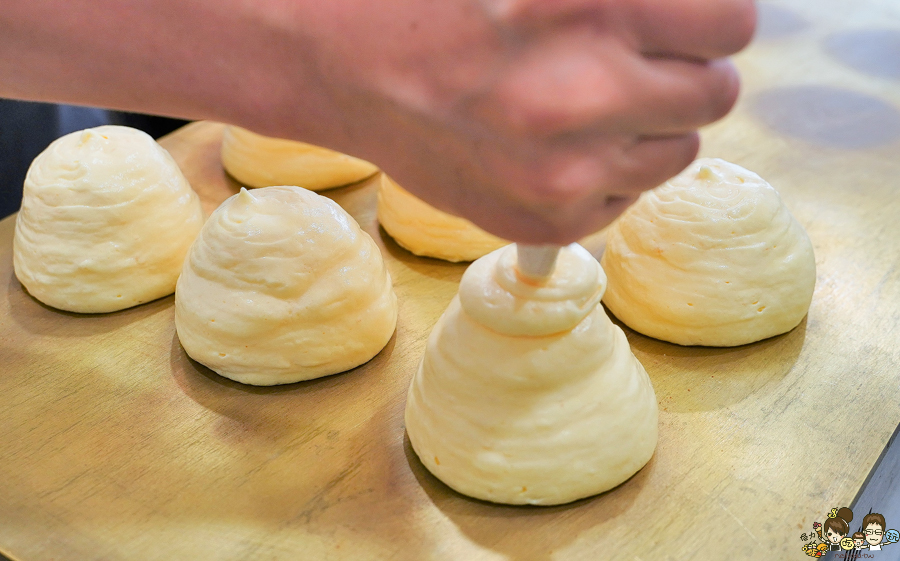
[539, 121]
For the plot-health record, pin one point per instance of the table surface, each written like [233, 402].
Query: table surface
[116, 446]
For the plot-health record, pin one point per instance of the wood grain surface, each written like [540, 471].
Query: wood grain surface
[115, 446]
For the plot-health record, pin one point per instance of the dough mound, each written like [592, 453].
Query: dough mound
[528, 394]
[712, 257]
[424, 230]
[261, 161]
[106, 220]
[281, 286]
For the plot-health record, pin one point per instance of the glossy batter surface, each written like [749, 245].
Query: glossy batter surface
[512, 410]
[282, 286]
[712, 257]
[106, 220]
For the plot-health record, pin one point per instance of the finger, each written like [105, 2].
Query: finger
[693, 29]
[564, 177]
[624, 169]
[661, 97]
[575, 83]
[645, 165]
[678, 96]
[570, 194]
[650, 161]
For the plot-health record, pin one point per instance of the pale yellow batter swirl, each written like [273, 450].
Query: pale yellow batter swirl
[281, 286]
[712, 257]
[106, 220]
[510, 408]
[262, 161]
[426, 231]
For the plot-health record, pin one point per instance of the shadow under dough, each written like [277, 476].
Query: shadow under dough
[428, 266]
[690, 379]
[215, 392]
[37, 318]
[513, 529]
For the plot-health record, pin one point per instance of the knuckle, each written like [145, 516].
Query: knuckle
[723, 95]
[511, 10]
[514, 12]
[684, 152]
[573, 180]
[532, 118]
[688, 150]
[655, 161]
[525, 112]
[539, 109]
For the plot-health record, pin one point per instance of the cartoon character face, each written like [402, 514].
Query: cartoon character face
[832, 536]
[859, 541]
[874, 533]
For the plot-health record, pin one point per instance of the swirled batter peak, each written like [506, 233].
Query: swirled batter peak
[282, 285]
[106, 220]
[527, 393]
[712, 257]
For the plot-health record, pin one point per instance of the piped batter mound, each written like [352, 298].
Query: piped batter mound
[280, 286]
[261, 161]
[106, 220]
[426, 231]
[712, 257]
[527, 393]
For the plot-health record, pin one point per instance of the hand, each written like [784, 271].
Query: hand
[538, 120]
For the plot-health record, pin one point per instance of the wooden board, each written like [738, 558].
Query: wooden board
[114, 445]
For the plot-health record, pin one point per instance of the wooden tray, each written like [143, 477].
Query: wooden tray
[116, 446]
